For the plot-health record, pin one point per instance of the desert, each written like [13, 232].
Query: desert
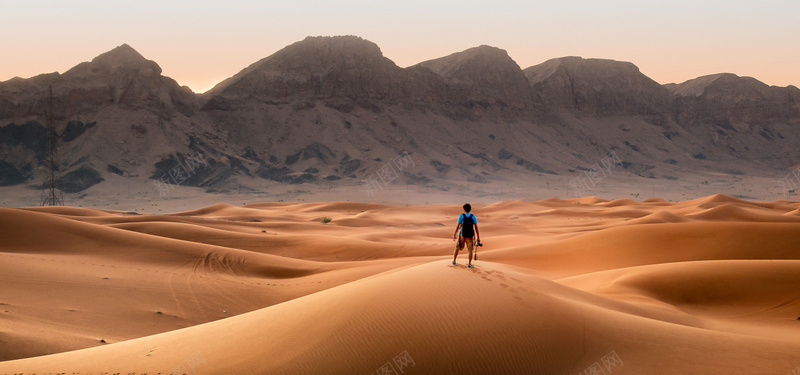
[561, 286]
[247, 188]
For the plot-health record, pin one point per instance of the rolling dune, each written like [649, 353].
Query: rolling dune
[578, 286]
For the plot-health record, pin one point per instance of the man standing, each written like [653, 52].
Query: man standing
[468, 224]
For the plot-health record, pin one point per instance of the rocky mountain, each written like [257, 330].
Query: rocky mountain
[483, 76]
[596, 87]
[342, 70]
[115, 115]
[348, 72]
[726, 98]
[120, 77]
[334, 110]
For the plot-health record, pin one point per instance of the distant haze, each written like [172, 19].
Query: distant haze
[201, 43]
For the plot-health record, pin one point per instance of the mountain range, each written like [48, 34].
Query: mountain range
[334, 110]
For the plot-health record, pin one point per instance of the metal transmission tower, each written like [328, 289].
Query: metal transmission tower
[51, 189]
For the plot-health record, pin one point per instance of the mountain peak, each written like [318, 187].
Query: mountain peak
[318, 67]
[314, 52]
[346, 42]
[734, 98]
[596, 86]
[721, 84]
[121, 57]
[484, 50]
[484, 75]
[463, 64]
[125, 51]
[579, 65]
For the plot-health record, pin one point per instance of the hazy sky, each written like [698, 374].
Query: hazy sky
[199, 43]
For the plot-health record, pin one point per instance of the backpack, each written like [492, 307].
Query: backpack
[467, 230]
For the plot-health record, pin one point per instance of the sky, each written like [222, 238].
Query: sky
[200, 43]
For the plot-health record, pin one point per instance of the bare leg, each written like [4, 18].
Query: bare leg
[469, 243]
[459, 246]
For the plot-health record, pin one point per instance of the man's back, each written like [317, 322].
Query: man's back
[467, 221]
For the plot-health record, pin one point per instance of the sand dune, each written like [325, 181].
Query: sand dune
[705, 286]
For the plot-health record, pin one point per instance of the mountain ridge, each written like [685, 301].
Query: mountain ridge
[328, 109]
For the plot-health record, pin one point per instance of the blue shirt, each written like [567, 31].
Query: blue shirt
[461, 220]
